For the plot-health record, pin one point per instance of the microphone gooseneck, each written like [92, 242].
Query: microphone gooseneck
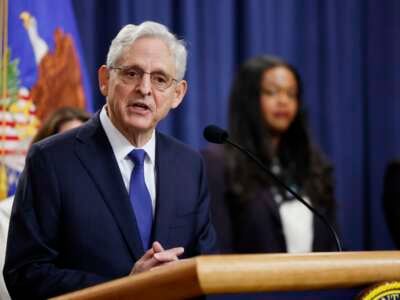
[217, 135]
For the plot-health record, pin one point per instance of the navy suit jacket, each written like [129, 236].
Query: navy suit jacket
[72, 224]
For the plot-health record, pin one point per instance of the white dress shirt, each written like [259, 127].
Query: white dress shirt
[122, 147]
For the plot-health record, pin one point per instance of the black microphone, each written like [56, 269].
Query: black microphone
[216, 135]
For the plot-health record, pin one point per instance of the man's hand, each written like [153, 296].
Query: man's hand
[155, 257]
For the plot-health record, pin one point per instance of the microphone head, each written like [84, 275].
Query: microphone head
[214, 134]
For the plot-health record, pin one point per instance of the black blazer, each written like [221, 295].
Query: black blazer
[72, 224]
[391, 199]
[254, 226]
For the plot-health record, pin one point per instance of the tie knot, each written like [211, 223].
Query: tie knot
[137, 156]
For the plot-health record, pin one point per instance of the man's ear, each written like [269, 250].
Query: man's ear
[180, 91]
[104, 75]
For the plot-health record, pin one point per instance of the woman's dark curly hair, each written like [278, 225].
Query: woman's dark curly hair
[295, 151]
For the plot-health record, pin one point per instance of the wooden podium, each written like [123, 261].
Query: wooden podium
[224, 274]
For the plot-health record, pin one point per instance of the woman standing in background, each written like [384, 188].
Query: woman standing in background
[252, 214]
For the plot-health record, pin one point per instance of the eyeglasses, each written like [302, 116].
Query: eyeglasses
[133, 76]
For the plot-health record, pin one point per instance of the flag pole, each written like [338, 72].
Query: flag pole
[4, 46]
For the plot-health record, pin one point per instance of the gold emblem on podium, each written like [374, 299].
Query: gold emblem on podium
[383, 291]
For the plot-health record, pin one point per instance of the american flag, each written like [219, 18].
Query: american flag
[18, 125]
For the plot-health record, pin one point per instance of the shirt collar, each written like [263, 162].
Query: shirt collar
[120, 144]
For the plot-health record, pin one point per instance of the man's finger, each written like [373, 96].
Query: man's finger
[157, 247]
[169, 255]
[148, 254]
[165, 264]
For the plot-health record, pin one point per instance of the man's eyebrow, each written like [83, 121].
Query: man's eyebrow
[134, 66]
[137, 66]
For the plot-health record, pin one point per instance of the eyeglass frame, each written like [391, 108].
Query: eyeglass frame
[142, 72]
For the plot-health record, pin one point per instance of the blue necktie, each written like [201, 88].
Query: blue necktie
[140, 197]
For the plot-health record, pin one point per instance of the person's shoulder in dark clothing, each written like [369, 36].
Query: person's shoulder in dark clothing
[391, 199]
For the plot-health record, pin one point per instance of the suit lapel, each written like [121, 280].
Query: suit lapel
[95, 152]
[166, 193]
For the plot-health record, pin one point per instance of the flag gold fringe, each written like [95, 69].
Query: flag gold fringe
[3, 182]
[4, 44]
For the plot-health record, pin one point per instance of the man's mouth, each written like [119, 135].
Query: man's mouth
[140, 106]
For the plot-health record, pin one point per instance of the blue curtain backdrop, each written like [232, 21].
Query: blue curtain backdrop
[347, 51]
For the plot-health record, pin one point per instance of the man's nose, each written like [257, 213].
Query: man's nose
[144, 85]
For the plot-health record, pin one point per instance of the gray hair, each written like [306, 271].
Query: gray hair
[130, 33]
